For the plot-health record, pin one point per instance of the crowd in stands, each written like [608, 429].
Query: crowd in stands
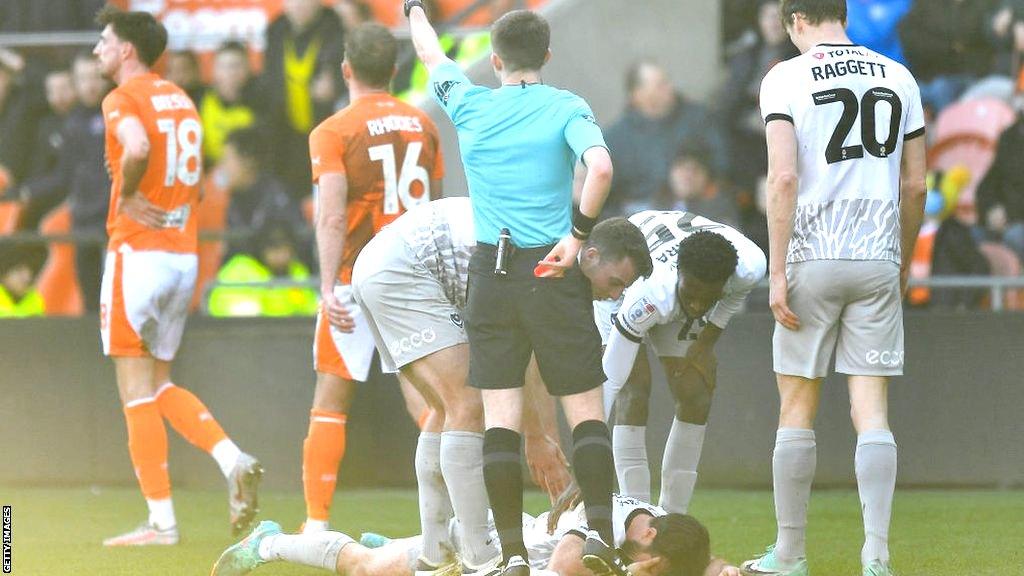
[670, 151]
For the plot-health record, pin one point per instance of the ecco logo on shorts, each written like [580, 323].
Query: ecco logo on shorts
[885, 357]
[413, 341]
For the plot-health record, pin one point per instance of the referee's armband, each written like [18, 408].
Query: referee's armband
[582, 224]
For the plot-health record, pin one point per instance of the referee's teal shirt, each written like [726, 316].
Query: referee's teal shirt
[519, 148]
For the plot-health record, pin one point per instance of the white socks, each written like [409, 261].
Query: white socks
[161, 513]
[311, 526]
[462, 464]
[793, 467]
[317, 550]
[435, 507]
[875, 462]
[679, 465]
[226, 454]
[629, 446]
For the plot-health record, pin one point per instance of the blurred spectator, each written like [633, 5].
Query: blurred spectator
[410, 82]
[15, 121]
[353, 13]
[1000, 197]
[81, 176]
[183, 69]
[231, 102]
[257, 198]
[874, 24]
[692, 187]
[302, 75]
[754, 219]
[739, 100]
[19, 267]
[273, 258]
[956, 252]
[656, 124]
[947, 45]
[1006, 30]
[47, 146]
[48, 15]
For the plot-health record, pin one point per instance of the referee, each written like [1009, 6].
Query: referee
[519, 145]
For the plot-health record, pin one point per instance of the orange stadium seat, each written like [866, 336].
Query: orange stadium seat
[9, 214]
[57, 282]
[213, 217]
[966, 134]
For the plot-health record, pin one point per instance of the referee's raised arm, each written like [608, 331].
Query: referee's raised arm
[424, 37]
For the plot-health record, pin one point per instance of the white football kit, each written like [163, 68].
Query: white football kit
[852, 110]
[650, 307]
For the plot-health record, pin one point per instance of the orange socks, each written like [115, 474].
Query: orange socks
[322, 452]
[147, 444]
[189, 417]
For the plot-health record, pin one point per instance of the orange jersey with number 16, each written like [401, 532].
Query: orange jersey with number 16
[389, 152]
[171, 180]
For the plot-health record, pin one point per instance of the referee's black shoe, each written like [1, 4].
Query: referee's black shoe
[602, 559]
[516, 566]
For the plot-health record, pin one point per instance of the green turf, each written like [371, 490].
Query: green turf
[954, 533]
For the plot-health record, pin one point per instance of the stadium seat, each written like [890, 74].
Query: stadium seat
[57, 282]
[9, 214]
[1004, 262]
[966, 134]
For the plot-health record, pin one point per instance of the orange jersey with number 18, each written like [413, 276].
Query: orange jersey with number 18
[389, 152]
[171, 180]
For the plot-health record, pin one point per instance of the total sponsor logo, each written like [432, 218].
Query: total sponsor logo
[413, 341]
[891, 358]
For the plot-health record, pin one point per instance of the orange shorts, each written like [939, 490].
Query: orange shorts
[144, 300]
[347, 356]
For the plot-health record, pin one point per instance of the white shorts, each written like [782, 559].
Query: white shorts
[144, 301]
[666, 339]
[405, 305]
[345, 355]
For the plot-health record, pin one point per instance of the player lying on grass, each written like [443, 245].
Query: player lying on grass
[649, 540]
[411, 283]
[703, 272]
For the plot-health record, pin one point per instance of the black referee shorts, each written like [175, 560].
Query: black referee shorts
[508, 317]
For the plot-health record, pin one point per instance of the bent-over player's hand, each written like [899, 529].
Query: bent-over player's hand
[138, 208]
[336, 312]
[778, 293]
[561, 258]
[566, 501]
[649, 567]
[548, 466]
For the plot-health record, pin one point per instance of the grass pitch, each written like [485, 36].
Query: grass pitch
[948, 533]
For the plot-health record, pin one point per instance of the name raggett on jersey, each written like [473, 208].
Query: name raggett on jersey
[852, 65]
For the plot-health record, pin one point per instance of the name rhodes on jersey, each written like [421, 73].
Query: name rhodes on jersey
[393, 123]
[845, 67]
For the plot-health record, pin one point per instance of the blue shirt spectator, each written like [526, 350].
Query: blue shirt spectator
[875, 25]
[519, 145]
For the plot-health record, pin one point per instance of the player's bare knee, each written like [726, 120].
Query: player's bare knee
[465, 412]
[333, 393]
[693, 402]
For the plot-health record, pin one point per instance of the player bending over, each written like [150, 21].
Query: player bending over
[703, 272]
[153, 149]
[650, 541]
[410, 281]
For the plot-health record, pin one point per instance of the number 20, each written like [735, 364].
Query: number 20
[397, 184]
[836, 152]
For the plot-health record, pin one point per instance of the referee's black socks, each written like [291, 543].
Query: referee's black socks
[595, 474]
[503, 475]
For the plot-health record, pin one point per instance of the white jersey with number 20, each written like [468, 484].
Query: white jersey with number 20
[852, 109]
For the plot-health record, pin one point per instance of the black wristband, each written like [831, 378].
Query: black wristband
[582, 224]
[409, 5]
